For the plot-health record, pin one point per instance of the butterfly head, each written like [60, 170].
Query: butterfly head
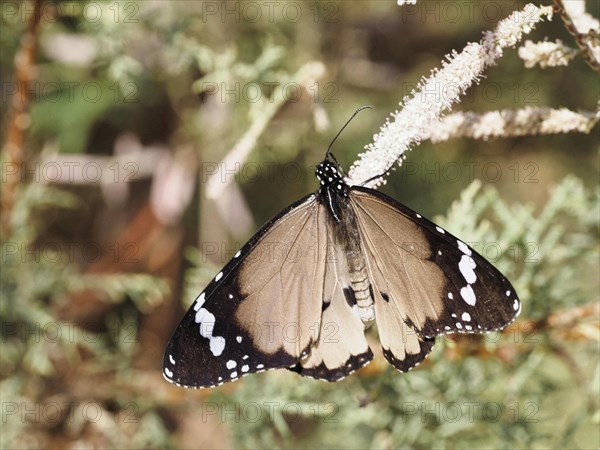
[329, 177]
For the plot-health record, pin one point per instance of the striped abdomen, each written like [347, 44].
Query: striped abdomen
[355, 279]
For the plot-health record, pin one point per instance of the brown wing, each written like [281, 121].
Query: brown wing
[342, 347]
[426, 281]
[262, 311]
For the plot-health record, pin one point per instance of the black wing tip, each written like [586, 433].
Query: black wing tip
[451, 327]
[410, 361]
[323, 373]
[186, 373]
[220, 381]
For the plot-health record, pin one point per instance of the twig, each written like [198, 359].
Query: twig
[512, 122]
[569, 317]
[19, 120]
[585, 40]
[436, 95]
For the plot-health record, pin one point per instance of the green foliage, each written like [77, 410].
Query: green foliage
[39, 347]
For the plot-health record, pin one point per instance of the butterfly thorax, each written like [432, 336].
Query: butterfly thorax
[330, 178]
[343, 228]
[332, 188]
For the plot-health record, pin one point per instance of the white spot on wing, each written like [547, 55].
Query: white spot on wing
[219, 276]
[237, 255]
[260, 366]
[217, 345]
[516, 305]
[466, 317]
[238, 338]
[450, 296]
[233, 374]
[508, 293]
[207, 324]
[171, 359]
[231, 364]
[245, 368]
[230, 295]
[245, 357]
[168, 373]
[468, 295]
[440, 230]
[463, 248]
[466, 266]
[419, 216]
[458, 325]
[201, 315]
[199, 302]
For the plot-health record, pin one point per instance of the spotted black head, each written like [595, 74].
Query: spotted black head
[330, 177]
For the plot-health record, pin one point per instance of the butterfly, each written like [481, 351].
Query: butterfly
[302, 291]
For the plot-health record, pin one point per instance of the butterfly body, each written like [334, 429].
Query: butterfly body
[342, 226]
[300, 294]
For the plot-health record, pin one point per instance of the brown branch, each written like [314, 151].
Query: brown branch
[568, 317]
[562, 322]
[583, 39]
[19, 120]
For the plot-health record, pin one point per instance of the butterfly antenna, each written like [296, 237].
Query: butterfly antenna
[340, 132]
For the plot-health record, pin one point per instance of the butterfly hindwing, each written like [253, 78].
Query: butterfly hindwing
[430, 280]
[342, 347]
[403, 345]
[259, 312]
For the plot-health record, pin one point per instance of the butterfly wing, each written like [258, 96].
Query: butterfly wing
[262, 311]
[342, 347]
[427, 282]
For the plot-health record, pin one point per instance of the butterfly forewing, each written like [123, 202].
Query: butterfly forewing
[262, 311]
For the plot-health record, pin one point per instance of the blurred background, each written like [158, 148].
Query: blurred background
[143, 142]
